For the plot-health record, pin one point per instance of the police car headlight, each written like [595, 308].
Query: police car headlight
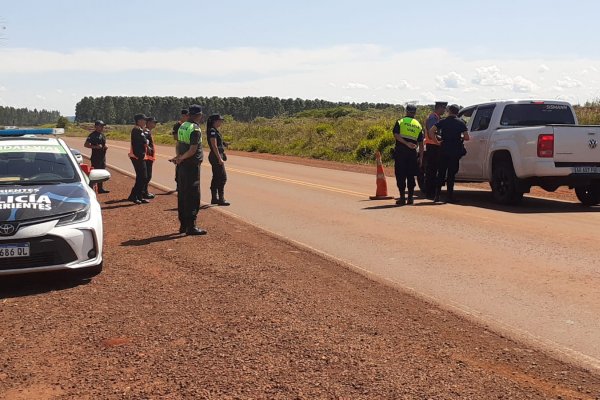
[74, 218]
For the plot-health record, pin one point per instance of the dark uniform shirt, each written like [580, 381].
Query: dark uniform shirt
[450, 129]
[402, 147]
[195, 139]
[98, 155]
[139, 142]
[148, 135]
[214, 133]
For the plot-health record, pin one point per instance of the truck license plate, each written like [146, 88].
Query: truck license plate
[14, 250]
[586, 170]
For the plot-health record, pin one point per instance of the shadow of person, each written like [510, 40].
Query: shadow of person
[155, 239]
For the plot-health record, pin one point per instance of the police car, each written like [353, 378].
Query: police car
[50, 219]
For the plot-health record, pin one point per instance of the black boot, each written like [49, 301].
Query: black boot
[436, 198]
[222, 201]
[410, 197]
[213, 196]
[402, 200]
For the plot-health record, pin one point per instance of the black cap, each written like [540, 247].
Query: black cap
[137, 117]
[441, 104]
[411, 108]
[185, 111]
[99, 123]
[195, 109]
[150, 119]
[216, 117]
[454, 108]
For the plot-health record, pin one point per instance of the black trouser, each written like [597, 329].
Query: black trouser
[98, 163]
[447, 172]
[141, 177]
[432, 161]
[149, 164]
[219, 175]
[188, 194]
[406, 168]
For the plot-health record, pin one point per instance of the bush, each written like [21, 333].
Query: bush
[325, 130]
[376, 131]
[62, 122]
[365, 151]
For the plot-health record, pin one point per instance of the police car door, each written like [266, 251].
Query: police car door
[479, 131]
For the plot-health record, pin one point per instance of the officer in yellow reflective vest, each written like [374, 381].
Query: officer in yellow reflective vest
[409, 136]
[188, 160]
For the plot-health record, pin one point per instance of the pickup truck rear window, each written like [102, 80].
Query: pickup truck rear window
[536, 114]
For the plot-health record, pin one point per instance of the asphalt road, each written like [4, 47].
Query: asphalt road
[531, 272]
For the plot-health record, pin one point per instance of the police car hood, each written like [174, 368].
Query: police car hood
[22, 203]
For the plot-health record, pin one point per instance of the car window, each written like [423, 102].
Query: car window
[466, 114]
[35, 164]
[536, 113]
[482, 118]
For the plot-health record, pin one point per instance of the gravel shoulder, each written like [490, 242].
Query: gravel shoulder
[243, 314]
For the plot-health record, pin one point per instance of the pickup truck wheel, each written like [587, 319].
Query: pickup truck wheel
[588, 195]
[504, 184]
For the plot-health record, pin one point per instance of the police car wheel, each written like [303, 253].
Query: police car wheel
[588, 195]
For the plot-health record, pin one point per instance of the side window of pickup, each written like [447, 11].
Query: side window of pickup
[482, 119]
[466, 115]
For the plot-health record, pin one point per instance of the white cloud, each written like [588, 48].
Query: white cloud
[568, 83]
[59, 91]
[522, 85]
[451, 80]
[543, 68]
[40, 97]
[491, 76]
[355, 85]
[2, 89]
[403, 84]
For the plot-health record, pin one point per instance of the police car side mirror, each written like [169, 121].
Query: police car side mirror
[99, 175]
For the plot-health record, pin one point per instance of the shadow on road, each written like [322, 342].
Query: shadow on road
[155, 239]
[33, 284]
[482, 199]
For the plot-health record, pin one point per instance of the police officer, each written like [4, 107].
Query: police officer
[432, 150]
[137, 155]
[97, 142]
[217, 160]
[150, 156]
[409, 136]
[188, 160]
[450, 132]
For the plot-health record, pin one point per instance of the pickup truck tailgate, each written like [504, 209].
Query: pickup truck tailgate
[577, 145]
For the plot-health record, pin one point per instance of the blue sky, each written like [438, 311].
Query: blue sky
[52, 53]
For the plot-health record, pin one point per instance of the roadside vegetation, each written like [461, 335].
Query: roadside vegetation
[343, 134]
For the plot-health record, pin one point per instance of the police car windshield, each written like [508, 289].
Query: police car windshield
[35, 164]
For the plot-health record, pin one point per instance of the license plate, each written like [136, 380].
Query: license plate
[586, 170]
[14, 250]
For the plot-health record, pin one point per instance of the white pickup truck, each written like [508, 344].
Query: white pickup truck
[519, 144]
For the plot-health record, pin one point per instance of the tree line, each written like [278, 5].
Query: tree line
[121, 109]
[24, 116]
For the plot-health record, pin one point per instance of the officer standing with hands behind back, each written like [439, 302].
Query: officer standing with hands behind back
[97, 142]
[188, 160]
[409, 136]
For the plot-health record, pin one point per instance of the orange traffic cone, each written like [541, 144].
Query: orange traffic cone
[381, 193]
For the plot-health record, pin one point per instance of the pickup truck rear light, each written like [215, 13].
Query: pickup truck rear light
[545, 146]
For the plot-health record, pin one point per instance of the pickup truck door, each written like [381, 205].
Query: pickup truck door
[472, 165]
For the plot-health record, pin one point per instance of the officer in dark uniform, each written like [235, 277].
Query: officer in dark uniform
[217, 160]
[137, 155]
[97, 142]
[450, 133]
[432, 150]
[188, 160]
[150, 156]
[409, 136]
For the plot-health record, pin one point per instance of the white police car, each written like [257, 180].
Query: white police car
[50, 219]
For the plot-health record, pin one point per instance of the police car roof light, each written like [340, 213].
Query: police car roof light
[41, 131]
